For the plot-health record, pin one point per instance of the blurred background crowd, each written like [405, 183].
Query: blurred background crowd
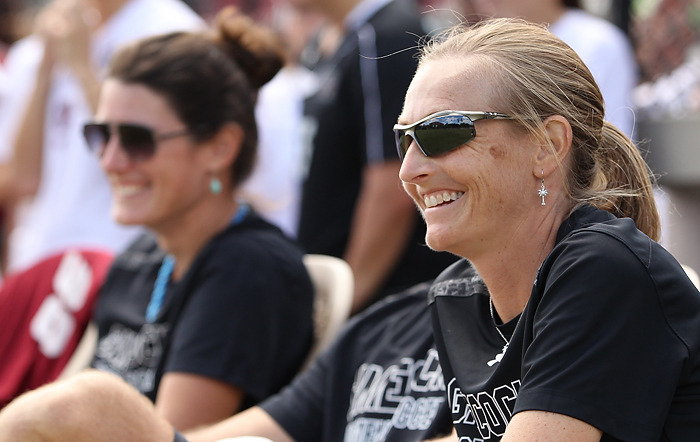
[662, 31]
[664, 89]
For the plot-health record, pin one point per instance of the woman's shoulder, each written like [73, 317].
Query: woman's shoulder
[593, 230]
[612, 241]
[613, 251]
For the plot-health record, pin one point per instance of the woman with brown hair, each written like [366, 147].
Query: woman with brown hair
[210, 312]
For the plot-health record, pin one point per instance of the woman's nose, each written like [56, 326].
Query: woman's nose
[113, 156]
[415, 165]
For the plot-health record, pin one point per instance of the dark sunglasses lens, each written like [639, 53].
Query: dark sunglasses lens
[443, 134]
[401, 147]
[137, 141]
[96, 136]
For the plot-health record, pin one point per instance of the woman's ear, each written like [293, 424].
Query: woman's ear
[224, 147]
[551, 155]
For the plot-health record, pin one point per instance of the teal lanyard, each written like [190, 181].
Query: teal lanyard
[166, 270]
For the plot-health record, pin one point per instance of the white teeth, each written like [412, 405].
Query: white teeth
[127, 190]
[444, 197]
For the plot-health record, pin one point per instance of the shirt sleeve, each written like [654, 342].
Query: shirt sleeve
[299, 407]
[585, 358]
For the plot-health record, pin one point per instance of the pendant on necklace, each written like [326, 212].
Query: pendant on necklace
[498, 357]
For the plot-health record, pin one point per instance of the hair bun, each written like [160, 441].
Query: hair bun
[255, 48]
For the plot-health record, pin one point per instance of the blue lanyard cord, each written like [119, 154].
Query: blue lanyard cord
[241, 213]
[166, 269]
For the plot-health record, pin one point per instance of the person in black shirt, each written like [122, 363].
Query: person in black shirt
[584, 327]
[352, 203]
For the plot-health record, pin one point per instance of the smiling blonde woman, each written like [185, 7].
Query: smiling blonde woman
[584, 327]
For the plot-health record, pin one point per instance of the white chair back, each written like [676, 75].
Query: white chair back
[334, 286]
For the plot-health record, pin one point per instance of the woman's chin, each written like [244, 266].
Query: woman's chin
[126, 219]
[437, 242]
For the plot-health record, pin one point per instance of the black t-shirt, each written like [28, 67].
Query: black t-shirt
[350, 121]
[610, 336]
[379, 381]
[245, 313]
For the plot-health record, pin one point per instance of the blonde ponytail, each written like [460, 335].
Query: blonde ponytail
[628, 182]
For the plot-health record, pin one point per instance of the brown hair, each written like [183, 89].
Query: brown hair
[540, 76]
[210, 78]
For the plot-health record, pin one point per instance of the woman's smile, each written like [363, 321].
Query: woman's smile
[435, 199]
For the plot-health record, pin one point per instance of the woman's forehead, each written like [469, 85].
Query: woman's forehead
[132, 102]
[466, 82]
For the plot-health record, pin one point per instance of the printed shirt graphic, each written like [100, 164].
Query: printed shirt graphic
[44, 312]
[379, 381]
[133, 355]
[482, 380]
[401, 396]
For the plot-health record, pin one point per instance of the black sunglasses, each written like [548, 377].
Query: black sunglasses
[442, 131]
[139, 142]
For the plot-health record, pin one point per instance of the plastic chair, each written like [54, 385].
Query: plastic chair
[693, 275]
[334, 286]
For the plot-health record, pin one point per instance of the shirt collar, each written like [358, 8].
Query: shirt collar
[583, 216]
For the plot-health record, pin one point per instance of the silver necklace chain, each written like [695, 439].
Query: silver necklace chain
[494, 322]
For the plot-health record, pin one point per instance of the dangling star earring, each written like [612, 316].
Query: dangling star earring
[543, 190]
[215, 186]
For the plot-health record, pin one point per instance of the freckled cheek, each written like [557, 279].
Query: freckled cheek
[482, 198]
[497, 152]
